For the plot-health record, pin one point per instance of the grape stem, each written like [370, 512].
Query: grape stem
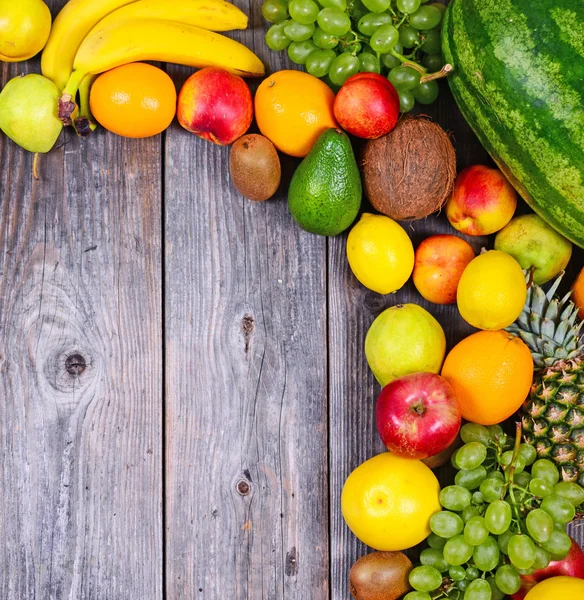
[444, 71]
[510, 472]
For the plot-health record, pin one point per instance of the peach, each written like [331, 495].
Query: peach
[438, 266]
[215, 105]
[482, 201]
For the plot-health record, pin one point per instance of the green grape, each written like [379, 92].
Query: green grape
[384, 39]
[408, 6]
[545, 469]
[432, 557]
[560, 509]
[560, 526]
[570, 491]
[491, 489]
[467, 479]
[455, 497]
[440, 7]
[496, 431]
[457, 573]
[496, 593]
[542, 558]
[471, 455]
[507, 457]
[406, 79]
[276, 39]
[435, 541]
[408, 36]
[457, 551]
[433, 62]
[298, 52]
[446, 524]
[357, 10]
[303, 11]
[406, 100]
[475, 531]
[275, 11]
[343, 67]
[425, 578]
[368, 63]
[526, 571]
[540, 487]
[539, 525]
[335, 88]
[426, 17]
[503, 540]
[498, 517]
[377, 6]
[479, 589]
[469, 512]
[319, 62]
[426, 93]
[323, 40]
[507, 579]
[298, 32]
[521, 551]
[528, 452]
[472, 432]
[496, 475]
[418, 596]
[340, 4]
[558, 545]
[462, 585]
[522, 479]
[486, 556]
[334, 21]
[432, 42]
[472, 573]
[478, 498]
[368, 24]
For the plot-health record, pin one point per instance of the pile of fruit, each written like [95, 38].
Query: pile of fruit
[500, 527]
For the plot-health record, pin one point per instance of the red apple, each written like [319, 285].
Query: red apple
[418, 415]
[482, 201]
[215, 105]
[438, 266]
[367, 105]
[571, 566]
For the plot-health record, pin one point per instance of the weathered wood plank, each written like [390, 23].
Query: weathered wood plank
[80, 448]
[247, 490]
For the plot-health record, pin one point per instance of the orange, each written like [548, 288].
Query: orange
[292, 109]
[135, 100]
[578, 293]
[491, 373]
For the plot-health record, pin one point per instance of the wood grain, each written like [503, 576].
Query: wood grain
[80, 370]
[246, 391]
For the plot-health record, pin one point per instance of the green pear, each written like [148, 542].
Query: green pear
[29, 112]
[533, 243]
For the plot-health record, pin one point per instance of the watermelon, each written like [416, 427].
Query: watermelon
[519, 81]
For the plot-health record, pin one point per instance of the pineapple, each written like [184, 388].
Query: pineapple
[553, 415]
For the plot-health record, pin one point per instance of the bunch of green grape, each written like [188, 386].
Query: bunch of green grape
[505, 516]
[333, 40]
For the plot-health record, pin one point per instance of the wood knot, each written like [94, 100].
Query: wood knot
[243, 487]
[291, 566]
[75, 365]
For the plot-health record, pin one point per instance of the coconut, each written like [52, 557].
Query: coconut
[409, 173]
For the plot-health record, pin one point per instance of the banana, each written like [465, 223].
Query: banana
[153, 39]
[214, 15]
[72, 24]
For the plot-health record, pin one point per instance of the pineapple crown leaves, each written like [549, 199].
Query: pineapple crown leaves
[549, 325]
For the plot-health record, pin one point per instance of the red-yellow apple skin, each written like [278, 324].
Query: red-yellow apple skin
[482, 201]
[215, 105]
[438, 265]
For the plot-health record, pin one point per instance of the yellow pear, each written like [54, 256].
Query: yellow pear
[24, 28]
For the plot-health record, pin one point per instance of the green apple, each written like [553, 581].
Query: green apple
[533, 243]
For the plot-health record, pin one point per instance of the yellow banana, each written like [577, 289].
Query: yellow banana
[214, 15]
[72, 24]
[153, 39]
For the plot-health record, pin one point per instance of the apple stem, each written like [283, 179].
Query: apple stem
[419, 408]
[35, 166]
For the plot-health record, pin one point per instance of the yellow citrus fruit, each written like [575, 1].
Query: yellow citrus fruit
[380, 253]
[136, 100]
[491, 374]
[25, 26]
[558, 588]
[387, 501]
[492, 291]
[292, 109]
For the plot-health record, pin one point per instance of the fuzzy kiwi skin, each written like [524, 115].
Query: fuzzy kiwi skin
[380, 576]
[255, 168]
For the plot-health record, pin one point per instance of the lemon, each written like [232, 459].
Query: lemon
[492, 291]
[558, 588]
[380, 253]
[387, 502]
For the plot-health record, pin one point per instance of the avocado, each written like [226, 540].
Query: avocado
[325, 191]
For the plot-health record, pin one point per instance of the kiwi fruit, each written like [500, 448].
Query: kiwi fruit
[255, 168]
[380, 576]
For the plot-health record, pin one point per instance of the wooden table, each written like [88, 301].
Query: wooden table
[183, 387]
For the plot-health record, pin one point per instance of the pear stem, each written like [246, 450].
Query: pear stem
[35, 166]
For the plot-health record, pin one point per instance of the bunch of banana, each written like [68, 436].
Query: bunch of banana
[92, 36]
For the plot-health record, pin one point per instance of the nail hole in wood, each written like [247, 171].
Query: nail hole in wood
[75, 365]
